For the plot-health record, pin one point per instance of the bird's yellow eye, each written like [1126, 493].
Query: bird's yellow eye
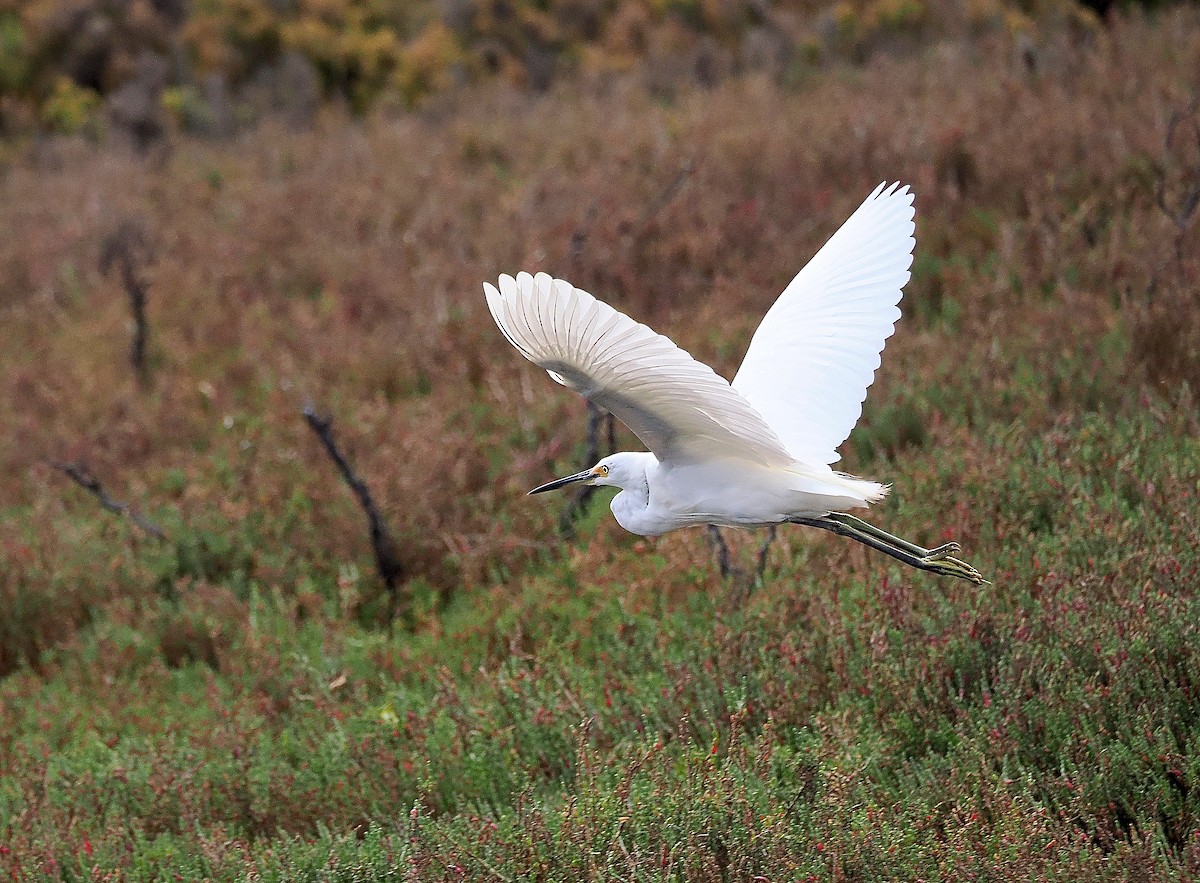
[604, 470]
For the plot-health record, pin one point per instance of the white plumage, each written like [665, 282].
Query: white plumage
[817, 349]
[757, 451]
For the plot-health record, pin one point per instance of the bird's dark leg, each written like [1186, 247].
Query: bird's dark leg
[867, 528]
[933, 560]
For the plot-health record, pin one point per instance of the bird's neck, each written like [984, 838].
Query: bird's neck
[630, 506]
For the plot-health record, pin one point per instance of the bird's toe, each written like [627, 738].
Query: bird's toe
[942, 552]
[947, 566]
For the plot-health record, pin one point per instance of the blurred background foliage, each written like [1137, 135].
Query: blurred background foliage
[209, 66]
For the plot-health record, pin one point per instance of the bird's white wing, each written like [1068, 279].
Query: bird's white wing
[679, 407]
[814, 355]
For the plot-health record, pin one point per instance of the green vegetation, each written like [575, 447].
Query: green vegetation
[226, 702]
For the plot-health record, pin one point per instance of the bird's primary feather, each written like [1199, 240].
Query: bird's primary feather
[680, 408]
[817, 349]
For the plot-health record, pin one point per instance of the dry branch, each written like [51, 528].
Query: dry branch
[669, 192]
[83, 477]
[718, 541]
[1180, 216]
[578, 501]
[579, 237]
[744, 580]
[386, 558]
[126, 248]
[765, 547]
[1165, 346]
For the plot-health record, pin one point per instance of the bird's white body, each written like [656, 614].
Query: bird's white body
[759, 450]
[659, 497]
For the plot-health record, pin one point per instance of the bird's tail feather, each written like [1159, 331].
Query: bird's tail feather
[835, 491]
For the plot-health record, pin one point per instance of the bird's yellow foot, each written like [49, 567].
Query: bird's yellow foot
[942, 552]
[947, 566]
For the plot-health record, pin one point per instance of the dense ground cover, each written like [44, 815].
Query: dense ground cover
[225, 703]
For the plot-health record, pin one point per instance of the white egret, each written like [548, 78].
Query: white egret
[757, 451]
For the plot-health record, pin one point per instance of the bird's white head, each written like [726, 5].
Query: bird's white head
[623, 470]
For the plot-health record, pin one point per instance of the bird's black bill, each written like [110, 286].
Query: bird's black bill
[562, 482]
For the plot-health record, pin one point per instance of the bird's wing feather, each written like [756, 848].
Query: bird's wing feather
[814, 355]
[679, 407]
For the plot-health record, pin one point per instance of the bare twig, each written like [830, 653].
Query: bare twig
[82, 476]
[579, 500]
[718, 541]
[127, 249]
[1181, 215]
[762, 552]
[1184, 211]
[386, 558]
[579, 237]
[669, 192]
[744, 581]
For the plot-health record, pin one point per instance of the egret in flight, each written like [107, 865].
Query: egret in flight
[757, 451]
